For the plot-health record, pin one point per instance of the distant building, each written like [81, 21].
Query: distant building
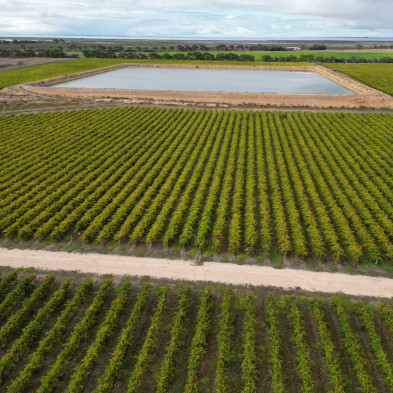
[293, 48]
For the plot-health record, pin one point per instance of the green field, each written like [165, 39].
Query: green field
[35, 73]
[306, 184]
[379, 76]
[59, 335]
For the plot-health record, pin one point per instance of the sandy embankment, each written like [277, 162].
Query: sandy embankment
[225, 273]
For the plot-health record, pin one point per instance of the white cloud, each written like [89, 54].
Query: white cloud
[219, 18]
[209, 31]
[21, 25]
[242, 31]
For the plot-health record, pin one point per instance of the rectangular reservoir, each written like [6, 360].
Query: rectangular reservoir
[210, 80]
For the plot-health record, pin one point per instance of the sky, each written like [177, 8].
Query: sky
[245, 19]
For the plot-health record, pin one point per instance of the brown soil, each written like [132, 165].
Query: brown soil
[252, 99]
[12, 63]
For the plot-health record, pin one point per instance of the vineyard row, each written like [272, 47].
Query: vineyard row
[307, 184]
[124, 337]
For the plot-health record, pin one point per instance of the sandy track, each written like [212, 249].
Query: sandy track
[225, 273]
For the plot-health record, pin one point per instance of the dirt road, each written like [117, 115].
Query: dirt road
[225, 273]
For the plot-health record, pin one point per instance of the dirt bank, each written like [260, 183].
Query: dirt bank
[225, 273]
[40, 96]
[364, 97]
[229, 99]
[342, 79]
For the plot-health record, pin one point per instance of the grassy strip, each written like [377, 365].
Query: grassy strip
[387, 315]
[32, 331]
[111, 373]
[11, 301]
[6, 283]
[17, 320]
[145, 354]
[50, 381]
[353, 348]
[249, 368]
[366, 316]
[235, 227]
[84, 368]
[224, 337]
[54, 336]
[302, 351]
[329, 350]
[198, 345]
[275, 346]
[168, 364]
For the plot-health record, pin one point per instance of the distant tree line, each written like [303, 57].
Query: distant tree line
[56, 53]
[17, 42]
[120, 52]
[169, 56]
[204, 48]
[9, 42]
[230, 56]
[324, 59]
[318, 47]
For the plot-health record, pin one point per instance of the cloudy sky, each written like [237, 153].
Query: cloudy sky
[250, 19]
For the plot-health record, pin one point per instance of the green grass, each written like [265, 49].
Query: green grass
[378, 76]
[45, 71]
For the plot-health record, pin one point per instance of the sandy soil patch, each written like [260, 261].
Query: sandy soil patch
[225, 273]
[14, 100]
[229, 99]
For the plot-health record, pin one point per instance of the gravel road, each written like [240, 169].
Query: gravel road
[225, 273]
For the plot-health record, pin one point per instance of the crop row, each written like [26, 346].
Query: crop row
[103, 337]
[52, 337]
[311, 185]
[302, 352]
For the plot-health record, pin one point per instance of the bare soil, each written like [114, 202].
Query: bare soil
[225, 273]
[13, 63]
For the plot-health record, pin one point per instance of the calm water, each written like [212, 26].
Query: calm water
[202, 79]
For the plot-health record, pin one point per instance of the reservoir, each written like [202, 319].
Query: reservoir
[210, 80]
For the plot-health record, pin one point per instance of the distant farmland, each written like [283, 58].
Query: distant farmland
[378, 76]
[60, 336]
[325, 54]
[313, 185]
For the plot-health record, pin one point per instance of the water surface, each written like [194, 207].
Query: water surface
[203, 79]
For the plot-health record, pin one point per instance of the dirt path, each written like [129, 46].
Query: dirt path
[225, 273]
